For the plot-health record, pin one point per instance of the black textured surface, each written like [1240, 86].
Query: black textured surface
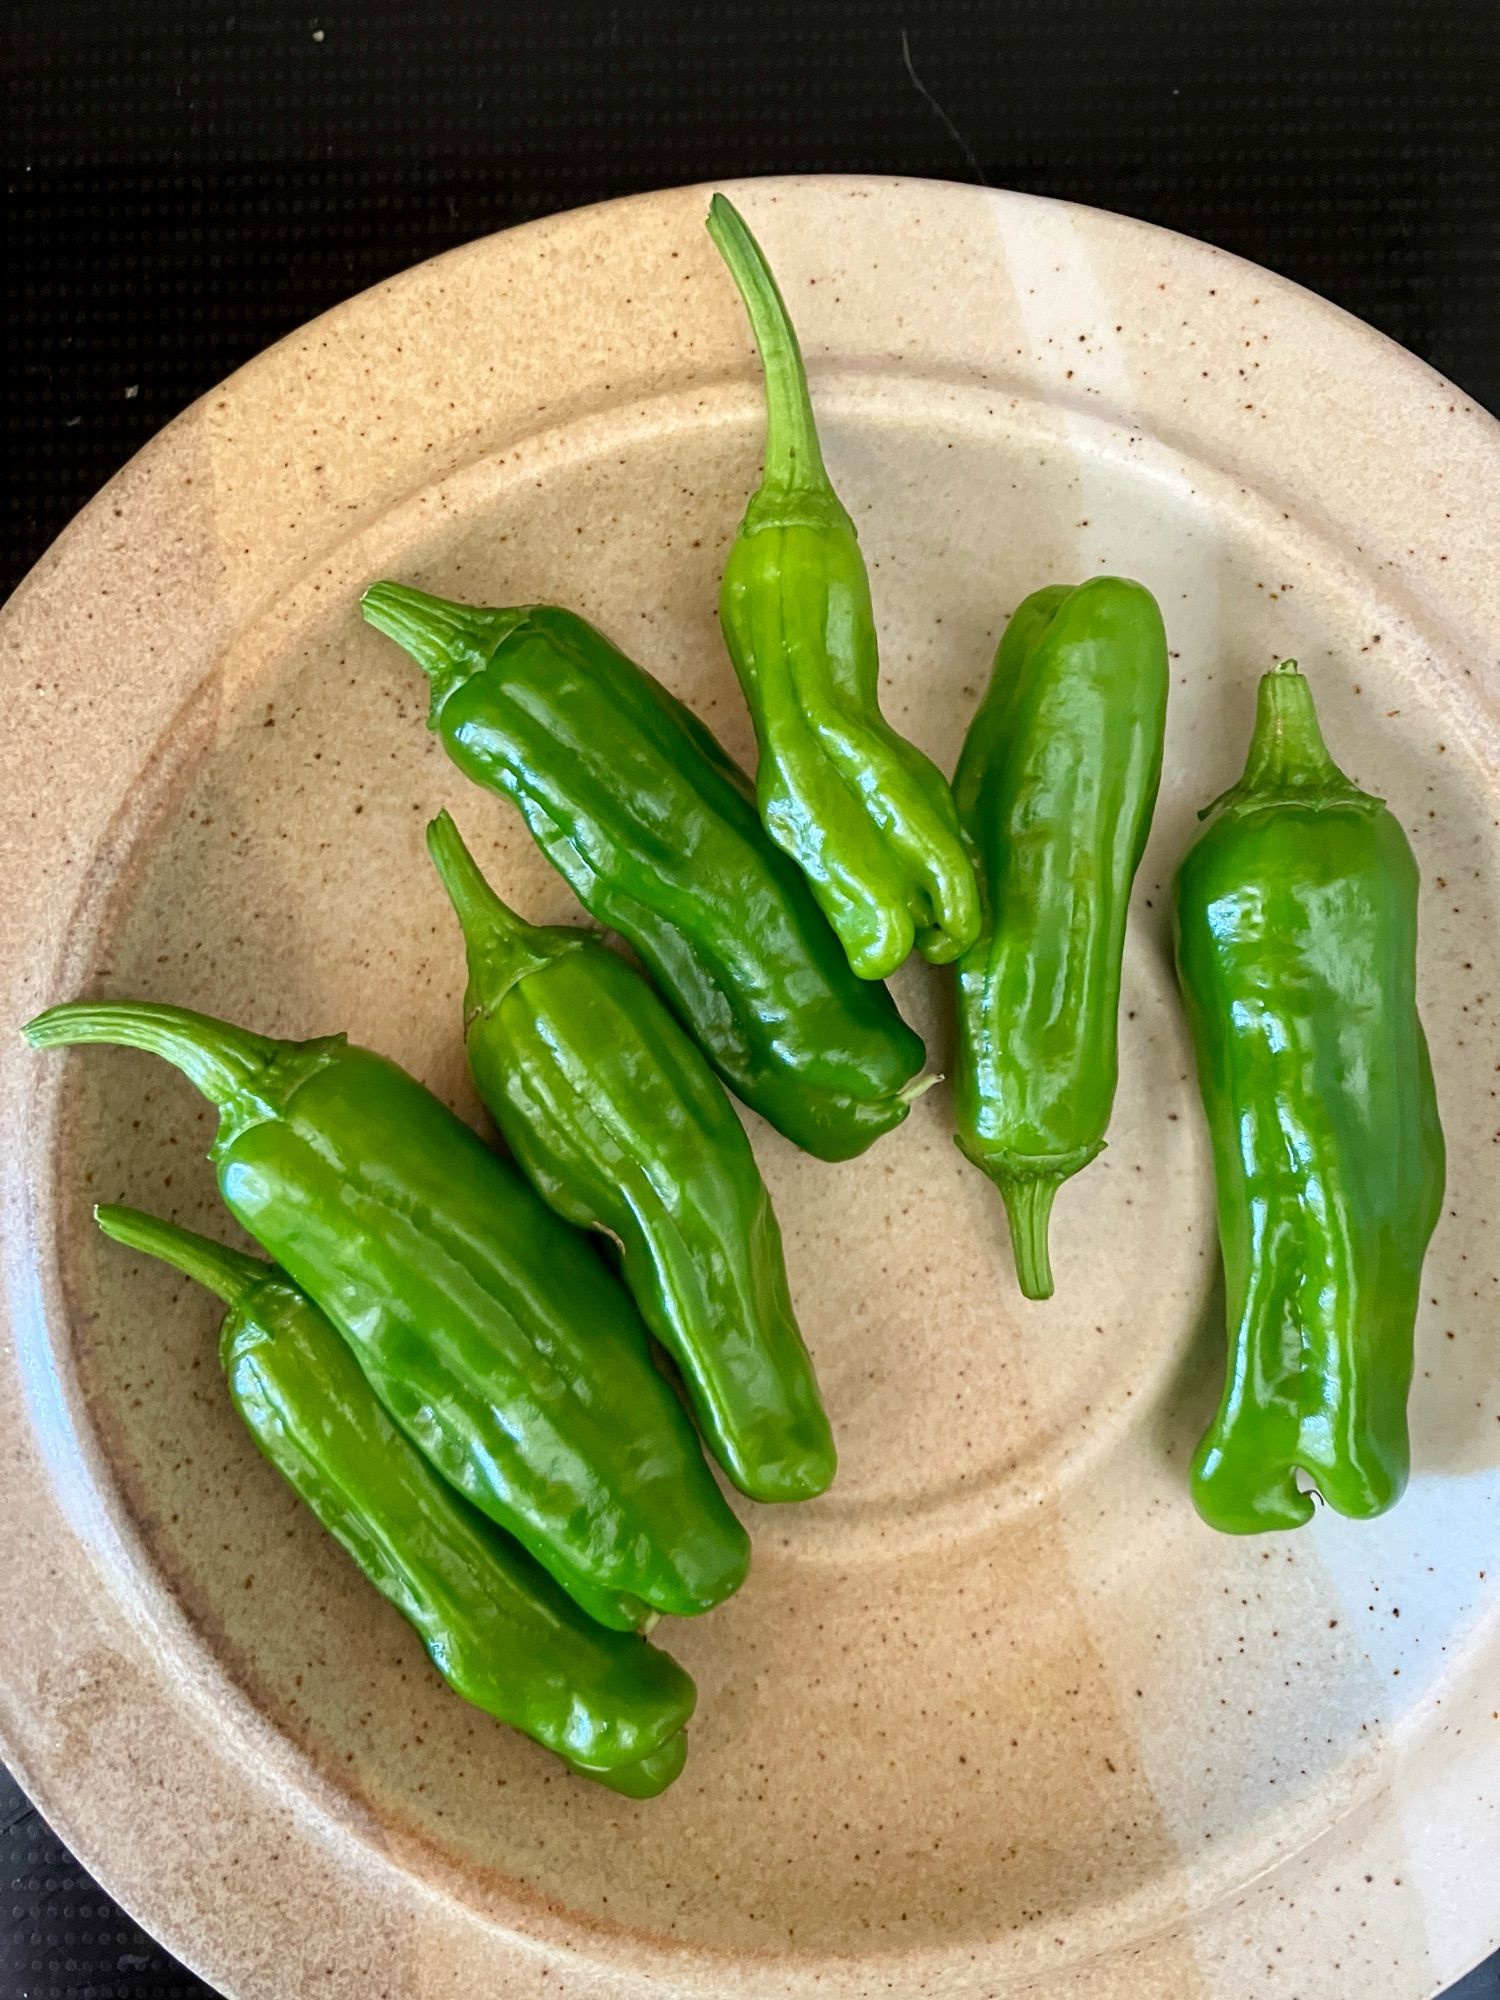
[185, 182]
[61, 1938]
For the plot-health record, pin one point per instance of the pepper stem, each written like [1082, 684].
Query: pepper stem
[501, 946]
[216, 1057]
[229, 1274]
[794, 458]
[448, 641]
[1288, 757]
[1028, 1208]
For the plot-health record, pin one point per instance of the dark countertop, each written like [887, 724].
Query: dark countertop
[186, 182]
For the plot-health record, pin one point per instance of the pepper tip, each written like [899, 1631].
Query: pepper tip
[721, 213]
[440, 830]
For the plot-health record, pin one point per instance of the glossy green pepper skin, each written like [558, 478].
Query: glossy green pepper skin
[868, 819]
[620, 1125]
[1296, 914]
[491, 1332]
[632, 800]
[1055, 787]
[494, 1624]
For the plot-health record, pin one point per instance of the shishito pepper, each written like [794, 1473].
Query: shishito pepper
[494, 1624]
[1296, 913]
[632, 800]
[1055, 787]
[868, 819]
[620, 1125]
[491, 1332]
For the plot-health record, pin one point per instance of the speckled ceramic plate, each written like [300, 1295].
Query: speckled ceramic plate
[998, 1716]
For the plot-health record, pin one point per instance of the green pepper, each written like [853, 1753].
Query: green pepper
[633, 801]
[1296, 915]
[646, 1779]
[620, 1125]
[1055, 787]
[490, 1331]
[868, 819]
[494, 1624]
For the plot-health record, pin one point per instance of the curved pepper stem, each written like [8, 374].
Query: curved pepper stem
[501, 946]
[448, 641]
[794, 458]
[229, 1274]
[216, 1057]
[1028, 1209]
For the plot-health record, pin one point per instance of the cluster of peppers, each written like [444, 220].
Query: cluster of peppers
[440, 1362]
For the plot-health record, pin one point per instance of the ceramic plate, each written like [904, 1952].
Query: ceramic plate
[998, 1716]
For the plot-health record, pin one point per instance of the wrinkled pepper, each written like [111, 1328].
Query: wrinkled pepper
[633, 801]
[491, 1332]
[1056, 785]
[494, 1624]
[868, 819]
[1296, 919]
[621, 1126]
